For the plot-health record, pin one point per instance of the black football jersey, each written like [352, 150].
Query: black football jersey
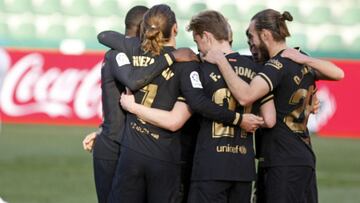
[293, 86]
[225, 152]
[175, 81]
[162, 92]
[116, 73]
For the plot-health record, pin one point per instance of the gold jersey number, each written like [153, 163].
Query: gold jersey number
[291, 120]
[220, 97]
[150, 92]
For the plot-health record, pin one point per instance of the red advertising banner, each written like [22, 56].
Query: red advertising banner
[339, 112]
[39, 86]
[49, 87]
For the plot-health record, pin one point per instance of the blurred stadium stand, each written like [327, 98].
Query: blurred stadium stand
[322, 28]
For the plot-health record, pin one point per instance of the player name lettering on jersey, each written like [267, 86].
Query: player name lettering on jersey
[305, 70]
[214, 77]
[246, 72]
[142, 61]
[231, 149]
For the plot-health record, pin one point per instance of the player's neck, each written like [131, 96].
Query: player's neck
[223, 46]
[171, 42]
[131, 33]
[275, 47]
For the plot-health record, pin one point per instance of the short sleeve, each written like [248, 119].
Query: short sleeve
[272, 73]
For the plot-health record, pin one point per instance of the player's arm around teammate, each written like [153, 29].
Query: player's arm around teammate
[248, 93]
[325, 70]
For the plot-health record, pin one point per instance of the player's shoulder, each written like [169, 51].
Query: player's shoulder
[120, 57]
[111, 53]
[186, 65]
[276, 62]
[243, 60]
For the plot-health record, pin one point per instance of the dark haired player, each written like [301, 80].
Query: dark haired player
[224, 165]
[160, 145]
[288, 158]
[116, 73]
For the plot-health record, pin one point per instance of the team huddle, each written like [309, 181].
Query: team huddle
[181, 127]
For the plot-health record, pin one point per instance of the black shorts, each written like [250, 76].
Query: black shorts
[105, 158]
[104, 171]
[141, 179]
[287, 184]
[259, 190]
[219, 192]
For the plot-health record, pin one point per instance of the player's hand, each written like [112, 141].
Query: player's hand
[251, 122]
[214, 56]
[295, 55]
[127, 102]
[316, 104]
[184, 55]
[88, 142]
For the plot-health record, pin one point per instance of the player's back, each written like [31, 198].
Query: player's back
[224, 152]
[113, 114]
[161, 93]
[114, 117]
[293, 87]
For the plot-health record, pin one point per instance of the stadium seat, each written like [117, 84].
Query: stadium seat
[246, 17]
[298, 40]
[193, 9]
[75, 7]
[350, 16]
[230, 11]
[55, 32]
[17, 6]
[125, 7]
[184, 38]
[319, 15]
[239, 37]
[3, 31]
[86, 33]
[2, 6]
[106, 8]
[294, 11]
[331, 43]
[354, 46]
[46, 6]
[25, 31]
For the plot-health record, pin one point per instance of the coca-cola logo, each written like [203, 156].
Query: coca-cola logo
[30, 88]
[326, 111]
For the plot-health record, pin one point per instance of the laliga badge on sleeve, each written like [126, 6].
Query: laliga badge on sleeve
[195, 80]
[122, 59]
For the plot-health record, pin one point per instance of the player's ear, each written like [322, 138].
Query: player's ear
[208, 37]
[265, 34]
[174, 29]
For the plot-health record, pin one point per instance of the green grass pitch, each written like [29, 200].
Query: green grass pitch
[46, 164]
